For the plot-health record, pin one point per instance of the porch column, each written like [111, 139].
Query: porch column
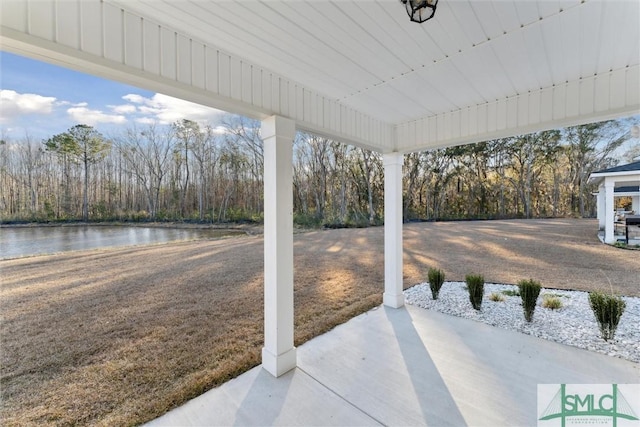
[393, 296]
[278, 353]
[601, 208]
[609, 211]
[635, 205]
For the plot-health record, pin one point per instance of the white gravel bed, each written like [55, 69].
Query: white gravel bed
[573, 324]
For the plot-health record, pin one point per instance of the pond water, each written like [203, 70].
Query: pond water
[25, 241]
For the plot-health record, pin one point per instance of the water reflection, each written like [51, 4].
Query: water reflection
[25, 241]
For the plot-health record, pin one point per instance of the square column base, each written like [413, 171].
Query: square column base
[393, 301]
[277, 365]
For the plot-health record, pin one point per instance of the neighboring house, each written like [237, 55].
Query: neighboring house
[619, 181]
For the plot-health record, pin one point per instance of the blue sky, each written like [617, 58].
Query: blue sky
[43, 100]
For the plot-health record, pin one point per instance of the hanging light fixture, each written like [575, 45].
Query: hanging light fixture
[420, 10]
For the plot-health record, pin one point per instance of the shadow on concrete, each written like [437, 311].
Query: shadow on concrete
[436, 402]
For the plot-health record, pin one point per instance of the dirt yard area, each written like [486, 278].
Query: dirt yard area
[120, 336]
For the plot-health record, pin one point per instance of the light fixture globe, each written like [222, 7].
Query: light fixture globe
[420, 10]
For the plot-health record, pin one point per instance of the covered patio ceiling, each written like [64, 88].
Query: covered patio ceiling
[357, 71]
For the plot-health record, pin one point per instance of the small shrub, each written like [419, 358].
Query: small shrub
[436, 279]
[475, 286]
[511, 293]
[306, 220]
[608, 310]
[496, 297]
[551, 301]
[529, 291]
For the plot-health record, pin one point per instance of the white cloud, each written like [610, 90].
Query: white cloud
[220, 130]
[91, 117]
[145, 120]
[136, 99]
[123, 109]
[13, 104]
[157, 109]
[163, 109]
[149, 110]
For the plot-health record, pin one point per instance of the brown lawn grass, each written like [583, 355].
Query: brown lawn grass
[120, 336]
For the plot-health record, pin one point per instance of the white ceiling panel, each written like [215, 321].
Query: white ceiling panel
[376, 40]
[353, 69]
[571, 44]
[205, 23]
[453, 84]
[527, 12]
[548, 8]
[615, 51]
[565, 5]
[365, 54]
[507, 15]
[398, 109]
[447, 32]
[363, 47]
[516, 61]
[417, 37]
[536, 52]
[371, 14]
[421, 92]
[467, 20]
[590, 19]
[274, 33]
[488, 18]
[551, 29]
[483, 78]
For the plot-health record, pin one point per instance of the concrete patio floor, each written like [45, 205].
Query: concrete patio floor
[405, 366]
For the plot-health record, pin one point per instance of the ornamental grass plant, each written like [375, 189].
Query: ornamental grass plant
[436, 279]
[529, 291]
[551, 302]
[608, 310]
[475, 286]
[496, 297]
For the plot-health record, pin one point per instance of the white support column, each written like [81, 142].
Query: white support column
[609, 211]
[393, 296]
[635, 205]
[278, 353]
[601, 207]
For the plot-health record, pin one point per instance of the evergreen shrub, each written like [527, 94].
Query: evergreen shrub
[608, 310]
[436, 279]
[529, 291]
[475, 286]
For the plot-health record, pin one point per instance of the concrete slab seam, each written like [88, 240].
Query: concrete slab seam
[340, 397]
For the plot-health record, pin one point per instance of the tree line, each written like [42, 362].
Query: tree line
[214, 173]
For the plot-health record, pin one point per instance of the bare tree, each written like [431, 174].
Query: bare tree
[244, 134]
[589, 148]
[147, 155]
[190, 170]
